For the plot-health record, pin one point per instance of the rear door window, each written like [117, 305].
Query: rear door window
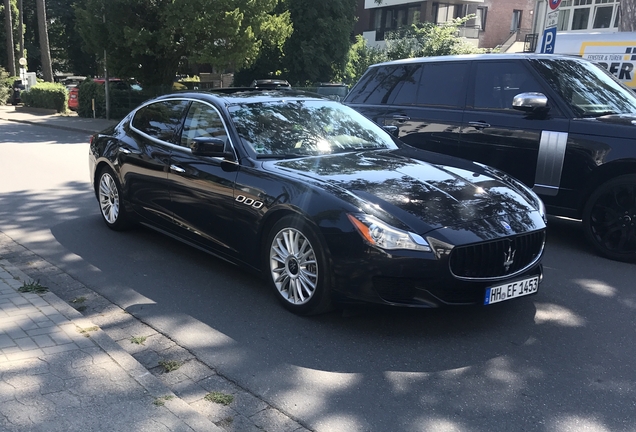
[161, 120]
[443, 84]
[405, 92]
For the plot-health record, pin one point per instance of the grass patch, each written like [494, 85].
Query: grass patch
[162, 400]
[33, 287]
[139, 340]
[219, 398]
[169, 365]
[87, 330]
[78, 300]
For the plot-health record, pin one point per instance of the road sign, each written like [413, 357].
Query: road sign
[549, 40]
[552, 19]
[554, 4]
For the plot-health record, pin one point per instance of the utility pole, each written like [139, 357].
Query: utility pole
[21, 27]
[106, 83]
[45, 49]
[8, 23]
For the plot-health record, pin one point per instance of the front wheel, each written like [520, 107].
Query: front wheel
[297, 267]
[609, 219]
[111, 205]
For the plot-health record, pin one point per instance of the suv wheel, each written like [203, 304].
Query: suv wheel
[609, 218]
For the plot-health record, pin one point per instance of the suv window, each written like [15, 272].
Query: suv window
[443, 84]
[405, 93]
[378, 84]
[202, 121]
[161, 120]
[588, 89]
[497, 83]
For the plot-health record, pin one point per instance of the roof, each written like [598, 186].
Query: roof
[464, 57]
[239, 95]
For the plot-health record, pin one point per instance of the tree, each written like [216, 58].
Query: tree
[317, 49]
[45, 50]
[359, 58]
[628, 16]
[148, 39]
[8, 26]
[429, 39]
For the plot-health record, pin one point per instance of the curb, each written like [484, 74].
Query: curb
[50, 125]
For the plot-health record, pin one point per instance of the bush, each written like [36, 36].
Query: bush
[122, 100]
[6, 86]
[47, 95]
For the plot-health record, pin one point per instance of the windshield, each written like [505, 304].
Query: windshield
[293, 128]
[589, 89]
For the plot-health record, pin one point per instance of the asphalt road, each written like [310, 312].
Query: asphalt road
[563, 360]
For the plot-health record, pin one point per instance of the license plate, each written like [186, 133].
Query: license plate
[511, 290]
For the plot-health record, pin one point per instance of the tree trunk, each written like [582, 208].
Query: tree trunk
[45, 49]
[8, 24]
[628, 16]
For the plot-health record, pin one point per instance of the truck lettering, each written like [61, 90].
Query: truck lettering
[614, 68]
[626, 72]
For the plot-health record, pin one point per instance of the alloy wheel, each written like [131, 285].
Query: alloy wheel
[612, 220]
[109, 198]
[293, 266]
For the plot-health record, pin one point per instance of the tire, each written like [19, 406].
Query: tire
[297, 268]
[111, 205]
[609, 219]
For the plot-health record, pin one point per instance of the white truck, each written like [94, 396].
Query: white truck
[615, 51]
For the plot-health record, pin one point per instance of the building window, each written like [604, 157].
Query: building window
[394, 18]
[516, 21]
[445, 12]
[586, 15]
[480, 17]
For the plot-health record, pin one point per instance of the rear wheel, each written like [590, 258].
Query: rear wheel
[110, 201]
[297, 268]
[609, 218]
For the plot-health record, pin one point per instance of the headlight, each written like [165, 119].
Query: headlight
[384, 236]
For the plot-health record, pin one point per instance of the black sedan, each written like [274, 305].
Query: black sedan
[328, 206]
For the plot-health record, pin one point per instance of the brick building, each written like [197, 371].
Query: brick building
[497, 22]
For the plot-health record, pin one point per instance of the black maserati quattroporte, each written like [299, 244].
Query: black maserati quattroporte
[324, 203]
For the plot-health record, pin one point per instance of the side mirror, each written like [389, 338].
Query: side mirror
[393, 130]
[211, 147]
[530, 102]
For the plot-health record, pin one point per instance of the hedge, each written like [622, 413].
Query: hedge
[46, 95]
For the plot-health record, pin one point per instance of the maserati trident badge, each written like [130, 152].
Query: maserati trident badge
[509, 258]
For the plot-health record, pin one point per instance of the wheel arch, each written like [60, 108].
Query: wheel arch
[605, 173]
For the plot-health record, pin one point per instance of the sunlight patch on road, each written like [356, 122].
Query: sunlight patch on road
[596, 287]
[555, 314]
[578, 424]
[437, 425]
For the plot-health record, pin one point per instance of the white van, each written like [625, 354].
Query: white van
[615, 51]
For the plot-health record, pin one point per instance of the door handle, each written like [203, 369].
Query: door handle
[479, 125]
[124, 150]
[401, 118]
[176, 168]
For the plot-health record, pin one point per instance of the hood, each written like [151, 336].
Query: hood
[409, 193]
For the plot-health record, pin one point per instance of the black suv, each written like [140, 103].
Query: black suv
[562, 125]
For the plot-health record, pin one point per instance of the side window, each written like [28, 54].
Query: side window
[497, 83]
[161, 120]
[360, 92]
[405, 92]
[388, 78]
[202, 121]
[443, 84]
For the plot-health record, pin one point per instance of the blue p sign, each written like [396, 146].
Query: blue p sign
[549, 40]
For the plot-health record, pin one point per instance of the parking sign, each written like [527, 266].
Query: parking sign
[549, 40]
[554, 4]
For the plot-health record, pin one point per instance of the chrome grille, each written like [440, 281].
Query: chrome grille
[497, 259]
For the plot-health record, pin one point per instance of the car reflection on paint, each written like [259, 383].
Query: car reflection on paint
[320, 201]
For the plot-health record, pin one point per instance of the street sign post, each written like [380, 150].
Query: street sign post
[550, 27]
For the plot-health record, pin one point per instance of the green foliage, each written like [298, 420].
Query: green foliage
[47, 95]
[359, 58]
[317, 49]
[6, 86]
[122, 101]
[429, 39]
[149, 39]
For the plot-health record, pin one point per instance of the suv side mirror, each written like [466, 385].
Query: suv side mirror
[211, 147]
[393, 130]
[530, 102]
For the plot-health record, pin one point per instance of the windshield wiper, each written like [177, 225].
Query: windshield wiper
[281, 156]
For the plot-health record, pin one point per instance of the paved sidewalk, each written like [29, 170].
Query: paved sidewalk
[49, 118]
[72, 361]
[59, 372]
